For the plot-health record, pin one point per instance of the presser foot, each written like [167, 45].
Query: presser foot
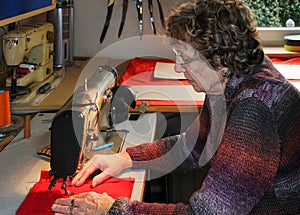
[68, 192]
[63, 186]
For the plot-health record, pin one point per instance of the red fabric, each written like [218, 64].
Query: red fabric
[140, 71]
[170, 103]
[39, 199]
[291, 61]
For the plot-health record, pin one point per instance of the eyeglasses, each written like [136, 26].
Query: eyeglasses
[181, 58]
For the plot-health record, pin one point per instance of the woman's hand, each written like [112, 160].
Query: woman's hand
[110, 165]
[89, 203]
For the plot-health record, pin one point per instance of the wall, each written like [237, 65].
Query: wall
[89, 18]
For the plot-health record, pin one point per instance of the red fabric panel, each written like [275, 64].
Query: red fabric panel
[140, 71]
[39, 199]
[170, 103]
[291, 61]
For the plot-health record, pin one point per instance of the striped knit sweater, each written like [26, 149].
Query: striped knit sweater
[256, 169]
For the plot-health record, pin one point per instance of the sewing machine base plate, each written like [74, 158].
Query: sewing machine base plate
[23, 99]
[115, 137]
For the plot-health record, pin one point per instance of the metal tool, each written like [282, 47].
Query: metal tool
[161, 14]
[110, 7]
[139, 7]
[150, 5]
[124, 11]
[45, 88]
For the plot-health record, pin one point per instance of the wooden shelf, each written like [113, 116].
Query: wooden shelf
[280, 52]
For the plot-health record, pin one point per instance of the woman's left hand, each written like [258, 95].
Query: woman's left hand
[84, 203]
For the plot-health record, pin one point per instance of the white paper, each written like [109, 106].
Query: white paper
[168, 93]
[296, 84]
[166, 71]
[174, 93]
[289, 71]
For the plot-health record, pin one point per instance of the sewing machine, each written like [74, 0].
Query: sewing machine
[87, 121]
[29, 51]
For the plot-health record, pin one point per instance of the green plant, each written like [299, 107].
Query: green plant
[290, 9]
[275, 13]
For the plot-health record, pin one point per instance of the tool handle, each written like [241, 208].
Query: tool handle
[150, 6]
[139, 7]
[124, 9]
[161, 14]
[103, 146]
[45, 88]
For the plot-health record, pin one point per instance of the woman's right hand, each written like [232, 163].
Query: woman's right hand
[110, 165]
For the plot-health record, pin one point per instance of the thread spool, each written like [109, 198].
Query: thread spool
[22, 71]
[30, 67]
[292, 43]
[5, 117]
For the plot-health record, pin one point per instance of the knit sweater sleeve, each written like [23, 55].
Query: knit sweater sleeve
[243, 168]
[245, 164]
[172, 152]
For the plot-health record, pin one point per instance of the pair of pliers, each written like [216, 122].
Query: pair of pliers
[124, 12]
[161, 14]
[150, 6]
[110, 6]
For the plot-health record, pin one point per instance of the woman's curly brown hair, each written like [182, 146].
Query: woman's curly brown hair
[224, 31]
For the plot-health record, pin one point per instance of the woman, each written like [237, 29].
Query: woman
[249, 127]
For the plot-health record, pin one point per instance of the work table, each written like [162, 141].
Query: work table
[21, 166]
[74, 75]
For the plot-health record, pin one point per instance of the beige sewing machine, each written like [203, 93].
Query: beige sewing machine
[29, 49]
[86, 122]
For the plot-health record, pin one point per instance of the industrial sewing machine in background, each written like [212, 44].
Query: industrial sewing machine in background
[87, 122]
[28, 51]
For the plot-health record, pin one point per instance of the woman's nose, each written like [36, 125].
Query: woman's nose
[179, 68]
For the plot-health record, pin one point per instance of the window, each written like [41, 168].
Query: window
[275, 13]
[271, 17]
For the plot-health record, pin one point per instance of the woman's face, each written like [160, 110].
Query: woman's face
[197, 70]
[188, 75]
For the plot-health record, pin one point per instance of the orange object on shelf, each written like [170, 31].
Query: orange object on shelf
[5, 117]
